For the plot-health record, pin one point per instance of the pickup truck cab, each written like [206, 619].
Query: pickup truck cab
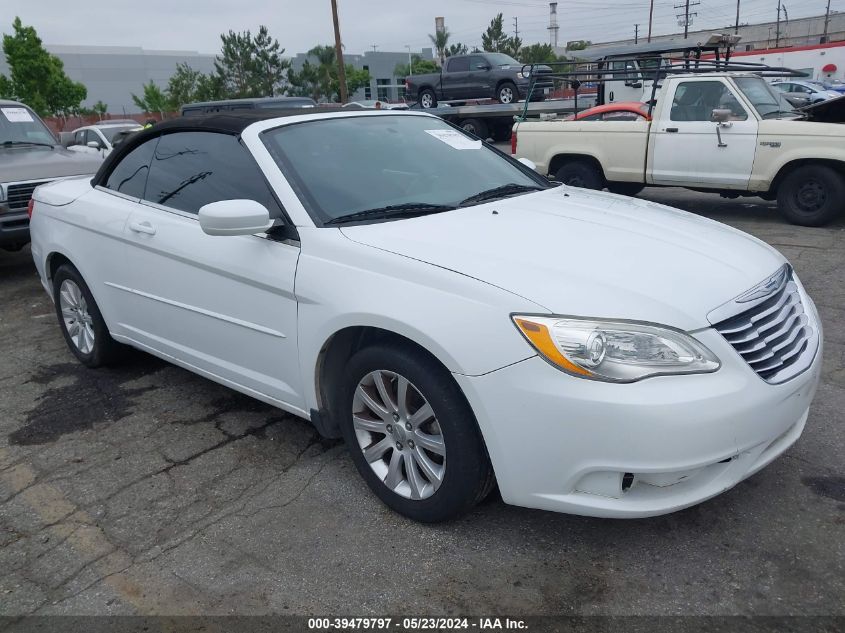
[477, 76]
[722, 132]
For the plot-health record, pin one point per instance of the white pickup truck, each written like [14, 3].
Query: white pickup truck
[722, 132]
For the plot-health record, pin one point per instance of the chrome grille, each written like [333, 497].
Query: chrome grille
[775, 336]
[18, 195]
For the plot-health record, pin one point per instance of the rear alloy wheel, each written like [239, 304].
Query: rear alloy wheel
[811, 195]
[412, 435]
[580, 174]
[428, 99]
[507, 93]
[83, 327]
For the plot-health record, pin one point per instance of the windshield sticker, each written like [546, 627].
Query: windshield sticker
[455, 139]
[17, 115]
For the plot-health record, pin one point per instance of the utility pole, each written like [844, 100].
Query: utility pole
[338, 48]
[650, 17]
[736, 28]
[777, 28]
[636, 34]
[410, 61]
[687, 15]
[375, 46]
[826, 22]
[516, 28]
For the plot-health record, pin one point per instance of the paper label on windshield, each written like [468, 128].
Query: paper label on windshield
[455, 139]
[17, 115]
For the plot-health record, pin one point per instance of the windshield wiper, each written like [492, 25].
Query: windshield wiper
[406, 210]
[10, 143]
[499, 192]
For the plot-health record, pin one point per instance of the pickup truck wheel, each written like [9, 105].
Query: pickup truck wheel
[625, 188]
[428, 99]
[812, 195]
[580, 174]
[477, 127]
[82, 324]
[507, 93]
[412, 435]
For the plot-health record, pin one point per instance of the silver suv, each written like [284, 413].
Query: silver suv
[29, 156]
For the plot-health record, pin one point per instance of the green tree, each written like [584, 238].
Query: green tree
[420, 67]
[537, 54]
[495, 40]
[578, 45]
[152, 100]
[182, 87]
[236, 65]
[457, 49]
[320, 80]
[36, 77]
[441, 41]
[100, 109]
[270, 68]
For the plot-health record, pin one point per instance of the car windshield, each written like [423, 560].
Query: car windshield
[341, 166]
[111, 132]
[767, 103]
[19, 124]
[500, 59]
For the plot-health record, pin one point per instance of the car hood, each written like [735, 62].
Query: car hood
[587, 253]
[37, 163]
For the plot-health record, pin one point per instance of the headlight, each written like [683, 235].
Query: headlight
[614, 351]
[523, 75]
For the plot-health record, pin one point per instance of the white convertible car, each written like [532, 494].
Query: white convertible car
[459, 320]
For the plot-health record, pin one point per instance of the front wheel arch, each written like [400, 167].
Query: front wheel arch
[791, 166]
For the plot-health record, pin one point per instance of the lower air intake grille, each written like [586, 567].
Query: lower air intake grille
[774, 334]
[19, 194]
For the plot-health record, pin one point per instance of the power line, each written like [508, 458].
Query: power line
[687, 15]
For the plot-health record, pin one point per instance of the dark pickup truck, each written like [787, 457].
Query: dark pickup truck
[477, 76]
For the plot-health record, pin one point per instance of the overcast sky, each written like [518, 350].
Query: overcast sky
[389, 24]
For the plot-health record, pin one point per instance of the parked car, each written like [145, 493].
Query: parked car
[400, 283]
[97, 139]
[238, 105]
[814, 91]
[619, 111]
[477, 76]
[728, 133]
[29, 156]
[371, 104]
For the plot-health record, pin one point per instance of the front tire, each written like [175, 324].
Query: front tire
[811, 195]
[80, 320]
[507, 93]
[412, 435]
[580, 173]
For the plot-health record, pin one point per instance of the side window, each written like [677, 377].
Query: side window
[477, 62]
[191, 169]
[696, 100]
[129, 176]
[79, 137]
[458, 64]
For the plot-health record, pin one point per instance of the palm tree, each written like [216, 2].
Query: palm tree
[441, 43]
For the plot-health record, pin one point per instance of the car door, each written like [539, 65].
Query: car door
[455, 78]
[689, 149]
[479, 81]
[222, 305]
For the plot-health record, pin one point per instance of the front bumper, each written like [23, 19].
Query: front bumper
[634, 450]
[14, 229]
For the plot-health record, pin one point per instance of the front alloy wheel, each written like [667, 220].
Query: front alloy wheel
[399, 434]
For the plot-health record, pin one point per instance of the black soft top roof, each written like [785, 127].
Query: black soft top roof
[222, 122]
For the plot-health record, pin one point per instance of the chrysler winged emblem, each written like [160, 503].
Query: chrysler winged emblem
[766, 287]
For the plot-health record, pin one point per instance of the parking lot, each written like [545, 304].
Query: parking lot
[147, 489]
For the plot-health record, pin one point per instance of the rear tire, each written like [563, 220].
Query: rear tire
[80, 320]
[388, 430]
[811, 195]
[630, 189]
[580, 173]
[428, 99]
[476, 127]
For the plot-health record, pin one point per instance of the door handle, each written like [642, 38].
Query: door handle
[672, 130]
[142, 227]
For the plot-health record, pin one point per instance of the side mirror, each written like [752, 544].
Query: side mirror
[720, 115]
[234, 217]
[528, 163]
[93, 144]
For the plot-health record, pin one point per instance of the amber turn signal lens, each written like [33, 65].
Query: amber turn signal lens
[540, 337]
